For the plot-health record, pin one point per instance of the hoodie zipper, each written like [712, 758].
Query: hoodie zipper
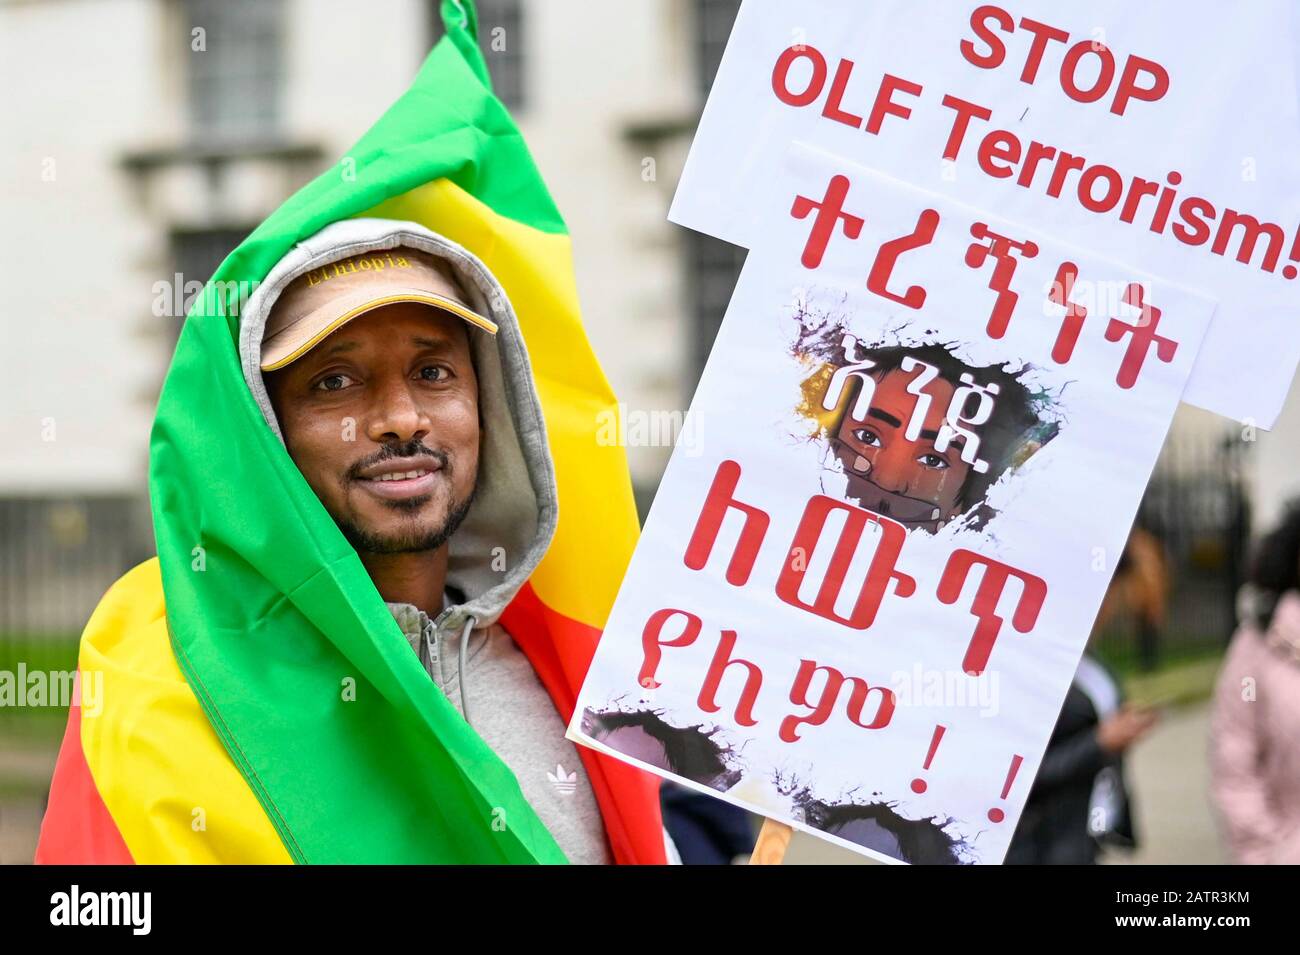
[432, 636]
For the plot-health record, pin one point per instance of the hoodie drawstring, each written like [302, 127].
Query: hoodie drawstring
[460, 668]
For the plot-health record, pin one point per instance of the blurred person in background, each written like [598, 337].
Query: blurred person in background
[1080, 800]
[1255, 728]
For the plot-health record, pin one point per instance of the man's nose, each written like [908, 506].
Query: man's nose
[396, 414]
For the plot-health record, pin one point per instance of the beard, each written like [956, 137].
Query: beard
[407, 540]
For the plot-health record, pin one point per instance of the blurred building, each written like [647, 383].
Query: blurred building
[145, 138]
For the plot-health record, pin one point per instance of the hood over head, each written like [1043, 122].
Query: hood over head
[515, 509]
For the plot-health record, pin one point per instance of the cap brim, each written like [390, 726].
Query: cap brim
[309, 331]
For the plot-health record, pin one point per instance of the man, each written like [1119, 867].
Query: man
[369, 364]
[389, 362]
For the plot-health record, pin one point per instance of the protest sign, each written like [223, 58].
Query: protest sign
[921, 438]
[1158, 133]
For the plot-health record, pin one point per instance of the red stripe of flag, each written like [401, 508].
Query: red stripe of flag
[560, 650]
[78, 829]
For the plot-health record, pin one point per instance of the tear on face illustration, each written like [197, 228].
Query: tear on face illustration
[914, 481]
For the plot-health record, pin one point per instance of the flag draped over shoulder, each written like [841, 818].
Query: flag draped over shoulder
[259, 703]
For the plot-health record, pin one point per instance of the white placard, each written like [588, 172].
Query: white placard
[1161, 134]
[874, 561]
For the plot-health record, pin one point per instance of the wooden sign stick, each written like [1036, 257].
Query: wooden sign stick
[773, 840]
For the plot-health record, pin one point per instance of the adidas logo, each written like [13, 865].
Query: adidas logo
[565, 783]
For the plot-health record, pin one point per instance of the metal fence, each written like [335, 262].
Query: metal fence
[57, 557]
[1196, 510]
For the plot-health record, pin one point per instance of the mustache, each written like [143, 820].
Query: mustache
[395, 452]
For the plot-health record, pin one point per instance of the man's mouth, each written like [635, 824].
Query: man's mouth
[401, 480]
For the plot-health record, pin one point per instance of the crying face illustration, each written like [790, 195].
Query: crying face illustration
[921, 434]
[895, 462]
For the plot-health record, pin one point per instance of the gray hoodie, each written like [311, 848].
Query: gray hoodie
[495, 549]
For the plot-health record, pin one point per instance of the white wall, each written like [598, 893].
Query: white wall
[74, 317]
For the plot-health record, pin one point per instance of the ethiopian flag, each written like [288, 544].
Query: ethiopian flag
[219, 732]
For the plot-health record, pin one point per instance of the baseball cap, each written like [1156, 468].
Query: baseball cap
[326, 298]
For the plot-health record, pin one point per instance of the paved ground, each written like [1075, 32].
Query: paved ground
[1169, 777]
[20, 820]
[25, 772]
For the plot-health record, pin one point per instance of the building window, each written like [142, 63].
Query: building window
[235, 66]
[195, 256]
[713, 22]
[712, 265]
[501, 38]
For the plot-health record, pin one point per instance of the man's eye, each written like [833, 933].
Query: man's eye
[933, 461]
[333, 382]
[434, 373]
[868, 438]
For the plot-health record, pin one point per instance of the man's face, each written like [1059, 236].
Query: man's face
[908, 481]
[382, 420]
